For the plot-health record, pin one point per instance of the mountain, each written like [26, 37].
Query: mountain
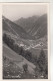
[27, 23]
[20, 49]
[39, 28]
[9, 26]
[35, 26]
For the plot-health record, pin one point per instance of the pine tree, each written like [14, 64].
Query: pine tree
[42, 61]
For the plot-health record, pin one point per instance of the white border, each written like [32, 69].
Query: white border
[24, 0]
[1, 44]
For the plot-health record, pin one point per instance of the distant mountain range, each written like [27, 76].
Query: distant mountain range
[36, 26]
[28, 28]
[27, 23]
[11, 27]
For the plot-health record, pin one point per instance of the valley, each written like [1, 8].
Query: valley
[22, 47]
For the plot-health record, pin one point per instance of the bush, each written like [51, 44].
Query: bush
[25, 68]
[21, 52]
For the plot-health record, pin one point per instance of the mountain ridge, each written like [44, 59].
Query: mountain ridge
[16, 29]
[26, 23]
[36, 28]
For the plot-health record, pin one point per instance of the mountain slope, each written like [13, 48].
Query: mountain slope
[11, 27]
[18, 59]
[39, 28]
[35, 26]
[27, 23]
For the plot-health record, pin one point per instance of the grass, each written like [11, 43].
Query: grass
[10, 69]
[17, 59]
[11, 54]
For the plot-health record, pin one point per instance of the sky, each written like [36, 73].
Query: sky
[15, 12]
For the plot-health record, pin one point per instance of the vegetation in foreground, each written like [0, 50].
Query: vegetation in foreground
[11, 70]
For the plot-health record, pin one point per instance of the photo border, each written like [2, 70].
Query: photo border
[1, 4]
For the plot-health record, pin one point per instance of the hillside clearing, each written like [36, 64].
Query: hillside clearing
[18, 59]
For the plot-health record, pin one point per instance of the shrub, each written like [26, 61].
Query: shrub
[21, 52]
[25, 68]
[28, 55]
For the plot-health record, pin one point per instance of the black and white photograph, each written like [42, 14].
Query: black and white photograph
[25, 41]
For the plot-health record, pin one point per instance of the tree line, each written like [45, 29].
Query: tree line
[20, 50]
